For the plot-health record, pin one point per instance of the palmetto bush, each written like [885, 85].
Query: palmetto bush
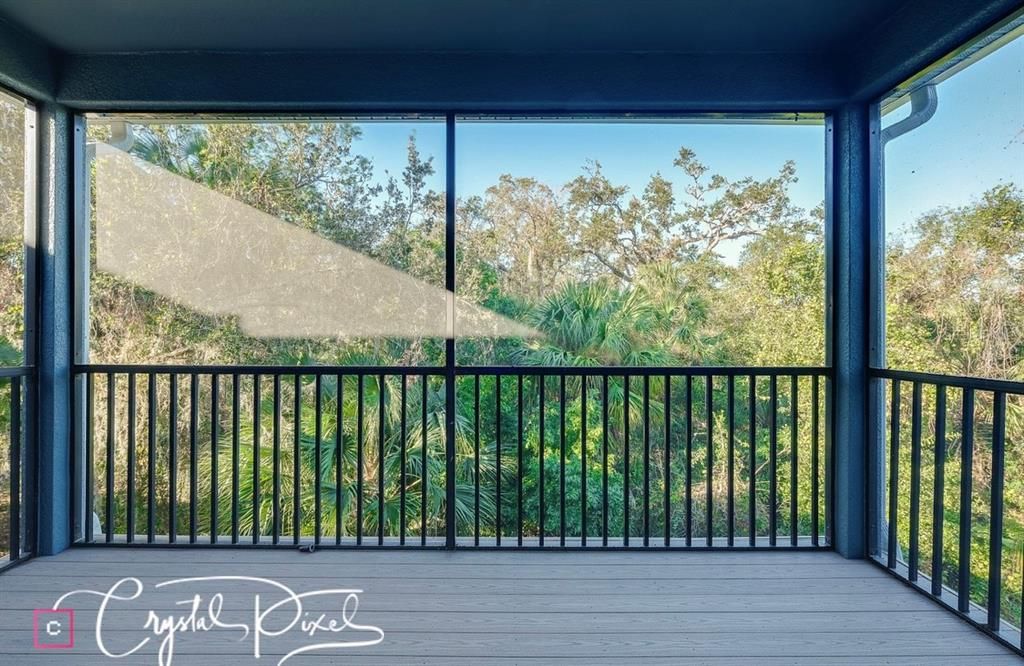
[330, 452]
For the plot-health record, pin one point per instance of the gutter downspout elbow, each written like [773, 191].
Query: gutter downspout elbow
[923, 103]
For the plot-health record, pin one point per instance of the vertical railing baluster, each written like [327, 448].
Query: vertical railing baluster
[193, 452]
[403, 463]
[381, 518]
[561, 466]
[318, 435]
[150, 458]
[14, 434]
[296, 459]
[22, 422]
[257, 419]
[172, 505]
[966, 491]
[668, 462]
[752, 464]
[276, 512]
[111, 444]
[625, 460]
[773, 459]
[814, 461]
[794, 445]
[339, 458]
[130, 481]
[497, 466]
[604, 460]
[519, 465]
[75, 432]
[90, 451]
[29, 460]
[423, 464]
[214, 454]
[90, 469]
[730, 417]
[689, 461]
[938, 505]
[540, 490]
[894, 470]
[236, 408]
[647, 460]
[583, 460]
[359, 460]
[476, 460]
[709, 416]
[828, 463]
[995, 537]
[915, 482]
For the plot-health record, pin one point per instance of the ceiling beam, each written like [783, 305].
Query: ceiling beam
[27, 65]
[448, 81]
[914, 36]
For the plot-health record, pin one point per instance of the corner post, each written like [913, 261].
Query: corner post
[56, 178]
[849, 314]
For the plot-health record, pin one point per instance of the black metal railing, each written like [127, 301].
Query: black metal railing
[541, 457]
[947, 525]
[17, 494]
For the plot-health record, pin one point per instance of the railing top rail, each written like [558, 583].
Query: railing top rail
[305, 370]
[958, 381]
[615, 370]
[18, 371]
[466, 370]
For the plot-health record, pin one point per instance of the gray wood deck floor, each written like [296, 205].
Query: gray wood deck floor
[466, 607]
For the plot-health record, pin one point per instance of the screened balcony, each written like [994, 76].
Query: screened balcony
[512, 335]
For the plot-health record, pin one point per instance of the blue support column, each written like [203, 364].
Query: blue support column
[849, 316]
[54, 318]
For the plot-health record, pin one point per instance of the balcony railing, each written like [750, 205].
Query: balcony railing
[17, 496]
[946, 529]
[533, 457]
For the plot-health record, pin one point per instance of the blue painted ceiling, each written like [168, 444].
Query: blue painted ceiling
[679, 26]
[545, 55]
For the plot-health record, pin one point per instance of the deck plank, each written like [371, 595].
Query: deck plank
[618, 586]
[437, 607]
[368, 660]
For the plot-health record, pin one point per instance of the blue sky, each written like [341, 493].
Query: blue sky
[556, 152]
[629, 153]
[974, 141]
